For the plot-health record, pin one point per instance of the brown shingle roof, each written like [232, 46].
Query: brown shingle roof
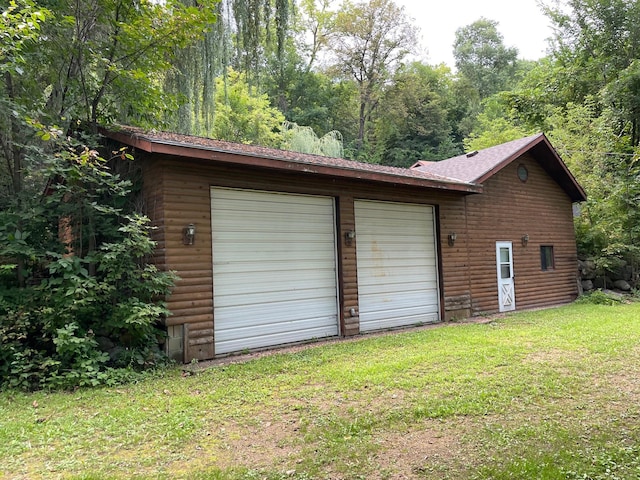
[477, 167]
[205, 148]
[464, 173]
[473, 167]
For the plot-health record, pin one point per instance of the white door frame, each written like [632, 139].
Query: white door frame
[504, 270]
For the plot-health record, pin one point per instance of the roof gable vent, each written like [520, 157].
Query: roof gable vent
[472, 154]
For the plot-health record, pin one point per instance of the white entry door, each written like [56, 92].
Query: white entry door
[506, 288]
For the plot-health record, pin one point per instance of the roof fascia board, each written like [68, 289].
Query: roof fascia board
[580, 195]
[207, 153]
[521, 151]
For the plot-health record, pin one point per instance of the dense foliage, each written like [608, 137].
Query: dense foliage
[77, 294]
[339, 78]
[89, 299]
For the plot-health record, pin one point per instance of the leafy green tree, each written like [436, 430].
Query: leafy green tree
[20, 34]
[315, 24]
[588, 142]
[314, 99]
[254, 37]
[73, 256]
[595, 90]
[91, 61]
[496, 124]
[412, 122]
[597, 44]
[493, 132]
[542, 90]
[111, 54]
[255, 22]
[244, 115]
[303, 139]
[90, 300]
[622, 96]
[482, 58]
[370, 40]
[192, 75]
[485, 67]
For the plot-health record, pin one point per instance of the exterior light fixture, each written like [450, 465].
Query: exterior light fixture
[452, 238]
[349, 236]
[525, 239]
[189, 234]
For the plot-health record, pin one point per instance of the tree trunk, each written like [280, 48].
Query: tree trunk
[361, 124]
[14, 160]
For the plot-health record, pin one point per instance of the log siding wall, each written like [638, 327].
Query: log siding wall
[506, 211]
[177, 192]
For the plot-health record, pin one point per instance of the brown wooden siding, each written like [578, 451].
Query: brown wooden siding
[184, 188]
[506, 211]
[177, 193]
[455, 260]
[347, 271]
[153, 205]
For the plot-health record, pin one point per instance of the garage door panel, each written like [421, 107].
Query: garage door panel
[393, 228]
[274, 316]
[235, 202]
[407, 241]
[382, 274]
[403, 274]
[275, 237]
[230, 297]
[275, 209]
[252, 253]
[397, 264]
[294, 334]
[405, 209]
[400, 319]
[244, 282]
[383, 286]
[274, 268]
[397, 300]
[422, 313]
[280, 232]
[317, 266]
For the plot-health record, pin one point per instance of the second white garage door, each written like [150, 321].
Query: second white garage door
[397, 264]
[274, 268]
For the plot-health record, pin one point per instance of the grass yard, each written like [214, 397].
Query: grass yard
[551, 394]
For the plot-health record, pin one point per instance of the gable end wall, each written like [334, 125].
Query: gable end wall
[507, 210]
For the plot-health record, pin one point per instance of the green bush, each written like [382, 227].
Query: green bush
[77, 295]
[598, 297]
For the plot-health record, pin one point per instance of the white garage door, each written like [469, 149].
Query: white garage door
[397, 267]
[274, 268]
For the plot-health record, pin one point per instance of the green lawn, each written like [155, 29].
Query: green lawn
[550, 394]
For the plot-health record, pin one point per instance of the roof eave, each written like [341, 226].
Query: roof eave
[518, 153]
[149, 145]
[572, 187]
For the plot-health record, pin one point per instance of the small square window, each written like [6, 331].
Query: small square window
[546, 257]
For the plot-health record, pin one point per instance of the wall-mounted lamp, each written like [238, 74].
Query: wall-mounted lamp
[452, 238]
[189, 234]
[349, 236]
[525, 239]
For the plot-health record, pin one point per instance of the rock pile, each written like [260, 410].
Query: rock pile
[620, 278]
